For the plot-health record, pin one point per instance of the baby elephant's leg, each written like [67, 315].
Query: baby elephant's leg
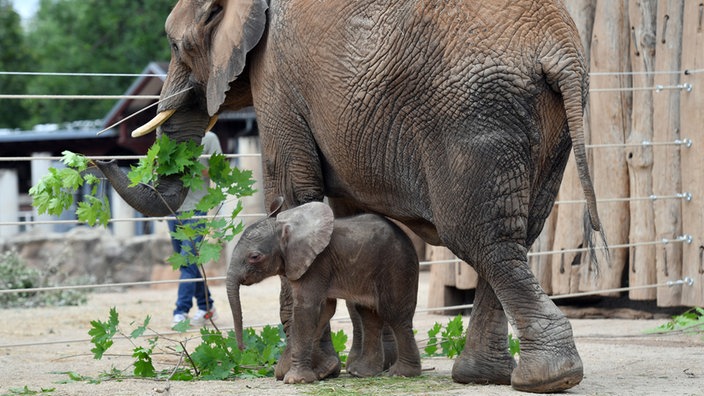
[371, 360]
[408, 362]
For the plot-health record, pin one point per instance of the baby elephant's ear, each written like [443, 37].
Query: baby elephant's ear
[303, 232]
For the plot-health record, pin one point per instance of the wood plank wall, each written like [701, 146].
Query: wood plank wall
[646, 42]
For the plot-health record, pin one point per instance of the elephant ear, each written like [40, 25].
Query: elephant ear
[303, 233]
[276, 206]
[242, 26]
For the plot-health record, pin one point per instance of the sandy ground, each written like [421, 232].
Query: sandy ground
[38, 345]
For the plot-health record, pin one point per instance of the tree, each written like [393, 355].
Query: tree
[95, 36]
[14, 56]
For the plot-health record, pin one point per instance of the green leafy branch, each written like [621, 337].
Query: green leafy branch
[449, 340]
[54, 192]
[216, 357]
[690, 322]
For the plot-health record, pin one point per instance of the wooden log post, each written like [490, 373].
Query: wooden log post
[692, 119]
[610, 122]
[568, 219]
[667, 177]
[641, 258]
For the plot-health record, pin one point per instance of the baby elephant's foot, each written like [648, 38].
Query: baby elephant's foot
[399, 369]
[300, 376]
[364, 369]
[328, 366]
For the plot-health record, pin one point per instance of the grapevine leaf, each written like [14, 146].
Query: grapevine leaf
[143, 366]
[141, 329]
[102, 332]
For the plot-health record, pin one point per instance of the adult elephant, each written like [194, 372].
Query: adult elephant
[454, 117]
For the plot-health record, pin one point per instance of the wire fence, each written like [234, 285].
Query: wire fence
[678, 195]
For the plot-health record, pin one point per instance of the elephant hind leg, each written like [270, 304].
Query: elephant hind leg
[485, 358]
[370, 361]
[408, 362]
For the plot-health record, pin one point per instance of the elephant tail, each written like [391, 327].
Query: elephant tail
[572, 81]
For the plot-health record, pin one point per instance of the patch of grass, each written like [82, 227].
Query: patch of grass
[380, 386]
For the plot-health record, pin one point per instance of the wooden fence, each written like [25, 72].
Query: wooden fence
[646, 149]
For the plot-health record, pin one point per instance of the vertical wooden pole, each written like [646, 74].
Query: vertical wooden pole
[641, 270]
[609, 125]
[448, 282]
[666, 160]
[568, 233]
[693, 158]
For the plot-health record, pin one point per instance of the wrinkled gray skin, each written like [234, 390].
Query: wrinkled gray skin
[455, 118]
[366, 260]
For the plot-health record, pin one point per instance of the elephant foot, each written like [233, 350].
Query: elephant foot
[364, 368]
[300, 376]
[474, 368]
[327, 366]
[399, 369]
[283, 365]
[539, 372]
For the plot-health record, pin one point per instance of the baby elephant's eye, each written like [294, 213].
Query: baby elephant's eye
[254, 257]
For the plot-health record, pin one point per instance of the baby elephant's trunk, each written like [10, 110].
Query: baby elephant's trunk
[233, 295]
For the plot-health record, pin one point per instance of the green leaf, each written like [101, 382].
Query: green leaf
[208, 252]
[143, 366]
[94, 210]
[514, 345]
[136, 333]
[71, 179]
[75, 161]
[102, 333]
[183, 326]
[339, 340]
[177, 261]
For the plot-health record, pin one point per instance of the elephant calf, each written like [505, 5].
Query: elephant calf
[366, 260]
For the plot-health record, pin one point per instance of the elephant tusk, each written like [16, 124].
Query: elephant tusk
[212, 122]
[153, 124]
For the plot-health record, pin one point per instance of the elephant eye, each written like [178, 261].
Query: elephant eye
[254, 257]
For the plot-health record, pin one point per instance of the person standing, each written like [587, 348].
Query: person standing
[194, 290]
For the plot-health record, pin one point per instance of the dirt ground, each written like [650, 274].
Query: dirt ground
[37, 347]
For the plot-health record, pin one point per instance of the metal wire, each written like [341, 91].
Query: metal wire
[78, 97]
[686, 281]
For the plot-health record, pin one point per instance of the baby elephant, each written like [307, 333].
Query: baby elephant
[366, 260]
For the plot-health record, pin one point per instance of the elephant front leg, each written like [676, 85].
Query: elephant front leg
[485, 358]
[304, 323]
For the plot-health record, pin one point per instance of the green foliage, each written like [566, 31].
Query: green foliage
[119, 36]
[216, 357]
[102, 333]
[54, 193]
[27, 391]
[514, 345]
[690, 322]
[14, 274]
[167, 157]
[15, 56]
[450, 340]
[339, 343]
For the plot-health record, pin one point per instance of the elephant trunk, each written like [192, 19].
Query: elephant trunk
[168, 192]
[233, 296]
[162, 200]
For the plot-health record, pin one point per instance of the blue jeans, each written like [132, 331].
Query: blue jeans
[190, 290]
